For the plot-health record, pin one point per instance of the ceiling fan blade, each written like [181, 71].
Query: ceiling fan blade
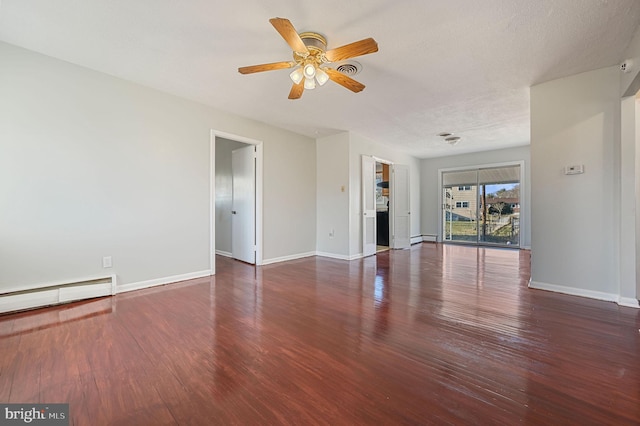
[265, 67]
[344, 80]
[296, 90]
[358, 48]
[289, 34]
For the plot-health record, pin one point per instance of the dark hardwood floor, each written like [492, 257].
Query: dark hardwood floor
[431, 335]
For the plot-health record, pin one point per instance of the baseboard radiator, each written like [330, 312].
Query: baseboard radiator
[23, 298]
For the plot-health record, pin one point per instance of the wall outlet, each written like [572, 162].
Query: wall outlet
[106, 262]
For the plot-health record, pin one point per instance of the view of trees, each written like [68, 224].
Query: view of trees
[506, 193]
[500, 208]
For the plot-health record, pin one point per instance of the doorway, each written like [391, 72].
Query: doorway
[236, 198]
[382, 206]
[482, 205]
[398, 207]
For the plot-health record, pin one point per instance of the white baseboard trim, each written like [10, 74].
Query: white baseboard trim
[286, 258]
[224, 253]
[430, 238]
[416, 240]
[628, 302]
[339, 256]
[332, 255]
[609, 297]
[123, 288]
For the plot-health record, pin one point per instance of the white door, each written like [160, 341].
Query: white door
[368, 206]
[243, 210]
[400, 207]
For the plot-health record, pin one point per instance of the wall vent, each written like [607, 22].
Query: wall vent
[23, 298]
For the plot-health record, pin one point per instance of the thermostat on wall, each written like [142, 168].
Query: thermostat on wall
[574, 170]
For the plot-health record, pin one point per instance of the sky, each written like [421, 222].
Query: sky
[492, 189]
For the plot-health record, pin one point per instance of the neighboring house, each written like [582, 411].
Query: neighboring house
[463, 202]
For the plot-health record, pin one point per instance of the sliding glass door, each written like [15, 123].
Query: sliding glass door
[482, 206]
[460, 192]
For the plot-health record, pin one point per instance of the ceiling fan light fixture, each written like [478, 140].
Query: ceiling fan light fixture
[309, 51]
[321, 76]
[297, 75]
[309, 83]
[309, 71]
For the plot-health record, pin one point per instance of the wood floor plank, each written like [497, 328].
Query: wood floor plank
[437, 334]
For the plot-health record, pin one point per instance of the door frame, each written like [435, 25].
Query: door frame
[367, 250]
[212, 193]
[523, 198]
[391, 205]
[391, 200]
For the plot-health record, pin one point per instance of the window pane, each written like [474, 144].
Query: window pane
[499, 194]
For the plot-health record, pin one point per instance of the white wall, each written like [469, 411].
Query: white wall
[224, 193]
[333, 195]
[359, 146]
[289, 198]
[633, 238]
[93, 166]
[575, 219]
[627, 250]
[430, 191]
[630, 174]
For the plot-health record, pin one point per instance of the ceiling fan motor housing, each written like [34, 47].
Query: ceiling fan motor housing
[314, 40]
[316, 45]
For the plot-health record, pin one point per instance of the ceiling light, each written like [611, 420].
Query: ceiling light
[309, 83]
[321, 76]
[297, 75]
[309, 71]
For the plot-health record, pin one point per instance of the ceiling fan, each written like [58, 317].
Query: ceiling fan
[311, 59]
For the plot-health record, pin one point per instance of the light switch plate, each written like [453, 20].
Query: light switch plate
[574, 170]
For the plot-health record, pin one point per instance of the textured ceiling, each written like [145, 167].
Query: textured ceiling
[461, 66]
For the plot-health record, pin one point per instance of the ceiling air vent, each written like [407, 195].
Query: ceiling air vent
[348, 68]
[452, 140]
